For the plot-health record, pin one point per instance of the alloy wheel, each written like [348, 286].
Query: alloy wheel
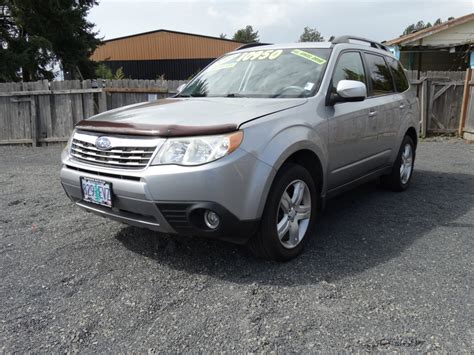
[406, 165]
[294, 213]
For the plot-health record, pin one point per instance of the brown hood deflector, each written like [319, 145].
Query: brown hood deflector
[153, 130]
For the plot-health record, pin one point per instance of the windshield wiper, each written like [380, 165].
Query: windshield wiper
[234, 94]
[191, 95]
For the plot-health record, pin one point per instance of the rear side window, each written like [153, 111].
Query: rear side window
[348, 67]
[401, 81]
[380, 76]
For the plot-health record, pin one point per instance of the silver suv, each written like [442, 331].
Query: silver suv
[252, 147]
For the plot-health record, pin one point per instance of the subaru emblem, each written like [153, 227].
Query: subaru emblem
[103, 143]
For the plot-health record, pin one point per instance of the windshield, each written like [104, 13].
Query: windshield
[262, 73]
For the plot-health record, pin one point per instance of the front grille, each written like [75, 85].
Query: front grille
[132, 153]
[115, 176]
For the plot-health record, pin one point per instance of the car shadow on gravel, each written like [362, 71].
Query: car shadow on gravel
[358, 230]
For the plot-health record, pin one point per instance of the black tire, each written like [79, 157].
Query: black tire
[394, 180]
[266, 243]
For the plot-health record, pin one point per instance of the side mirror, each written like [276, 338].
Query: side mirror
[351, 90]
[180, 88]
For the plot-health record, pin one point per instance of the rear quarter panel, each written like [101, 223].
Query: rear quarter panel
[410, 118]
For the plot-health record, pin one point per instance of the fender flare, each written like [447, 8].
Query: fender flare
[277, 152]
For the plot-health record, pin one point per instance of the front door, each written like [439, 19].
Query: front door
[352, 127]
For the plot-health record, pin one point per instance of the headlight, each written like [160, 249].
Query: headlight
[197, 150]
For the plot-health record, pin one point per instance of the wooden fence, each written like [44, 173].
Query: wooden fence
[440, 95]
[43, 112]
[466, 123]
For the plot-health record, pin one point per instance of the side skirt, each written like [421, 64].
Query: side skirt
[361, 180]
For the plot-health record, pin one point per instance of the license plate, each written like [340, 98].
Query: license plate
[96, 191]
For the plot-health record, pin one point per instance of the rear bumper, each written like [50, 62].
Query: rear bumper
[172, 199]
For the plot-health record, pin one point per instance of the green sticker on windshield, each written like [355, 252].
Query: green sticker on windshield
[309, 56]
[219, 66]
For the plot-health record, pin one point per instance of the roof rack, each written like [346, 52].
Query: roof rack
[347, 39]
[250, 45]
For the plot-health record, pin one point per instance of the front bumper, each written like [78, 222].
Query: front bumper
[171, 199]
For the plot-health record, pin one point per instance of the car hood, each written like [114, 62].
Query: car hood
[186, 116]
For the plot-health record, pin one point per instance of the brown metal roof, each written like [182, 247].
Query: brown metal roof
[163, 44]
[415, 36]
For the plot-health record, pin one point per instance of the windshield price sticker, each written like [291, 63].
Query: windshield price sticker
[244, 57]
[309, 56]
[260, 55]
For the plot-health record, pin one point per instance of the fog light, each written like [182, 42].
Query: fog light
[211, 219]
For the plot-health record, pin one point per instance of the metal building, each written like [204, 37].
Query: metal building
[148, 55]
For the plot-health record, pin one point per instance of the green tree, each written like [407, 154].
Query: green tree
[420, 25]
[119, 74]
[102, 71]
[415, 27]
[42, 34]
[19, 52]
[223, 36]
[311, 35]
[246, 35]
[410, 29]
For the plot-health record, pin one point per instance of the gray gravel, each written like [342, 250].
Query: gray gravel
[387, 271]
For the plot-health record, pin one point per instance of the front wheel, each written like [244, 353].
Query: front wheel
[289, 215]
[402, 171]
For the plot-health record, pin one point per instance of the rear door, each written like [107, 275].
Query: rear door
[402, 102]
[385, 103]
[352, 131]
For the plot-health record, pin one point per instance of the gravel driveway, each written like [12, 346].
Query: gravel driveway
[387, 271]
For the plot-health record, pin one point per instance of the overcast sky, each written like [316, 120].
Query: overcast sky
[277, 21]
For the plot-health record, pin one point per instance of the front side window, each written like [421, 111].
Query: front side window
[348, 67]
[401, 81]
[379, 74]
[262, 73]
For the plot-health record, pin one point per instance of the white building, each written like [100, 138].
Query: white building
[444, 47]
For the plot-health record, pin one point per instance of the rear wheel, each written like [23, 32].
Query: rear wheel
[402, 171]
[289, 216]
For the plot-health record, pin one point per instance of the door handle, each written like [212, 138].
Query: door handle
[402, 106]
[372, 113]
